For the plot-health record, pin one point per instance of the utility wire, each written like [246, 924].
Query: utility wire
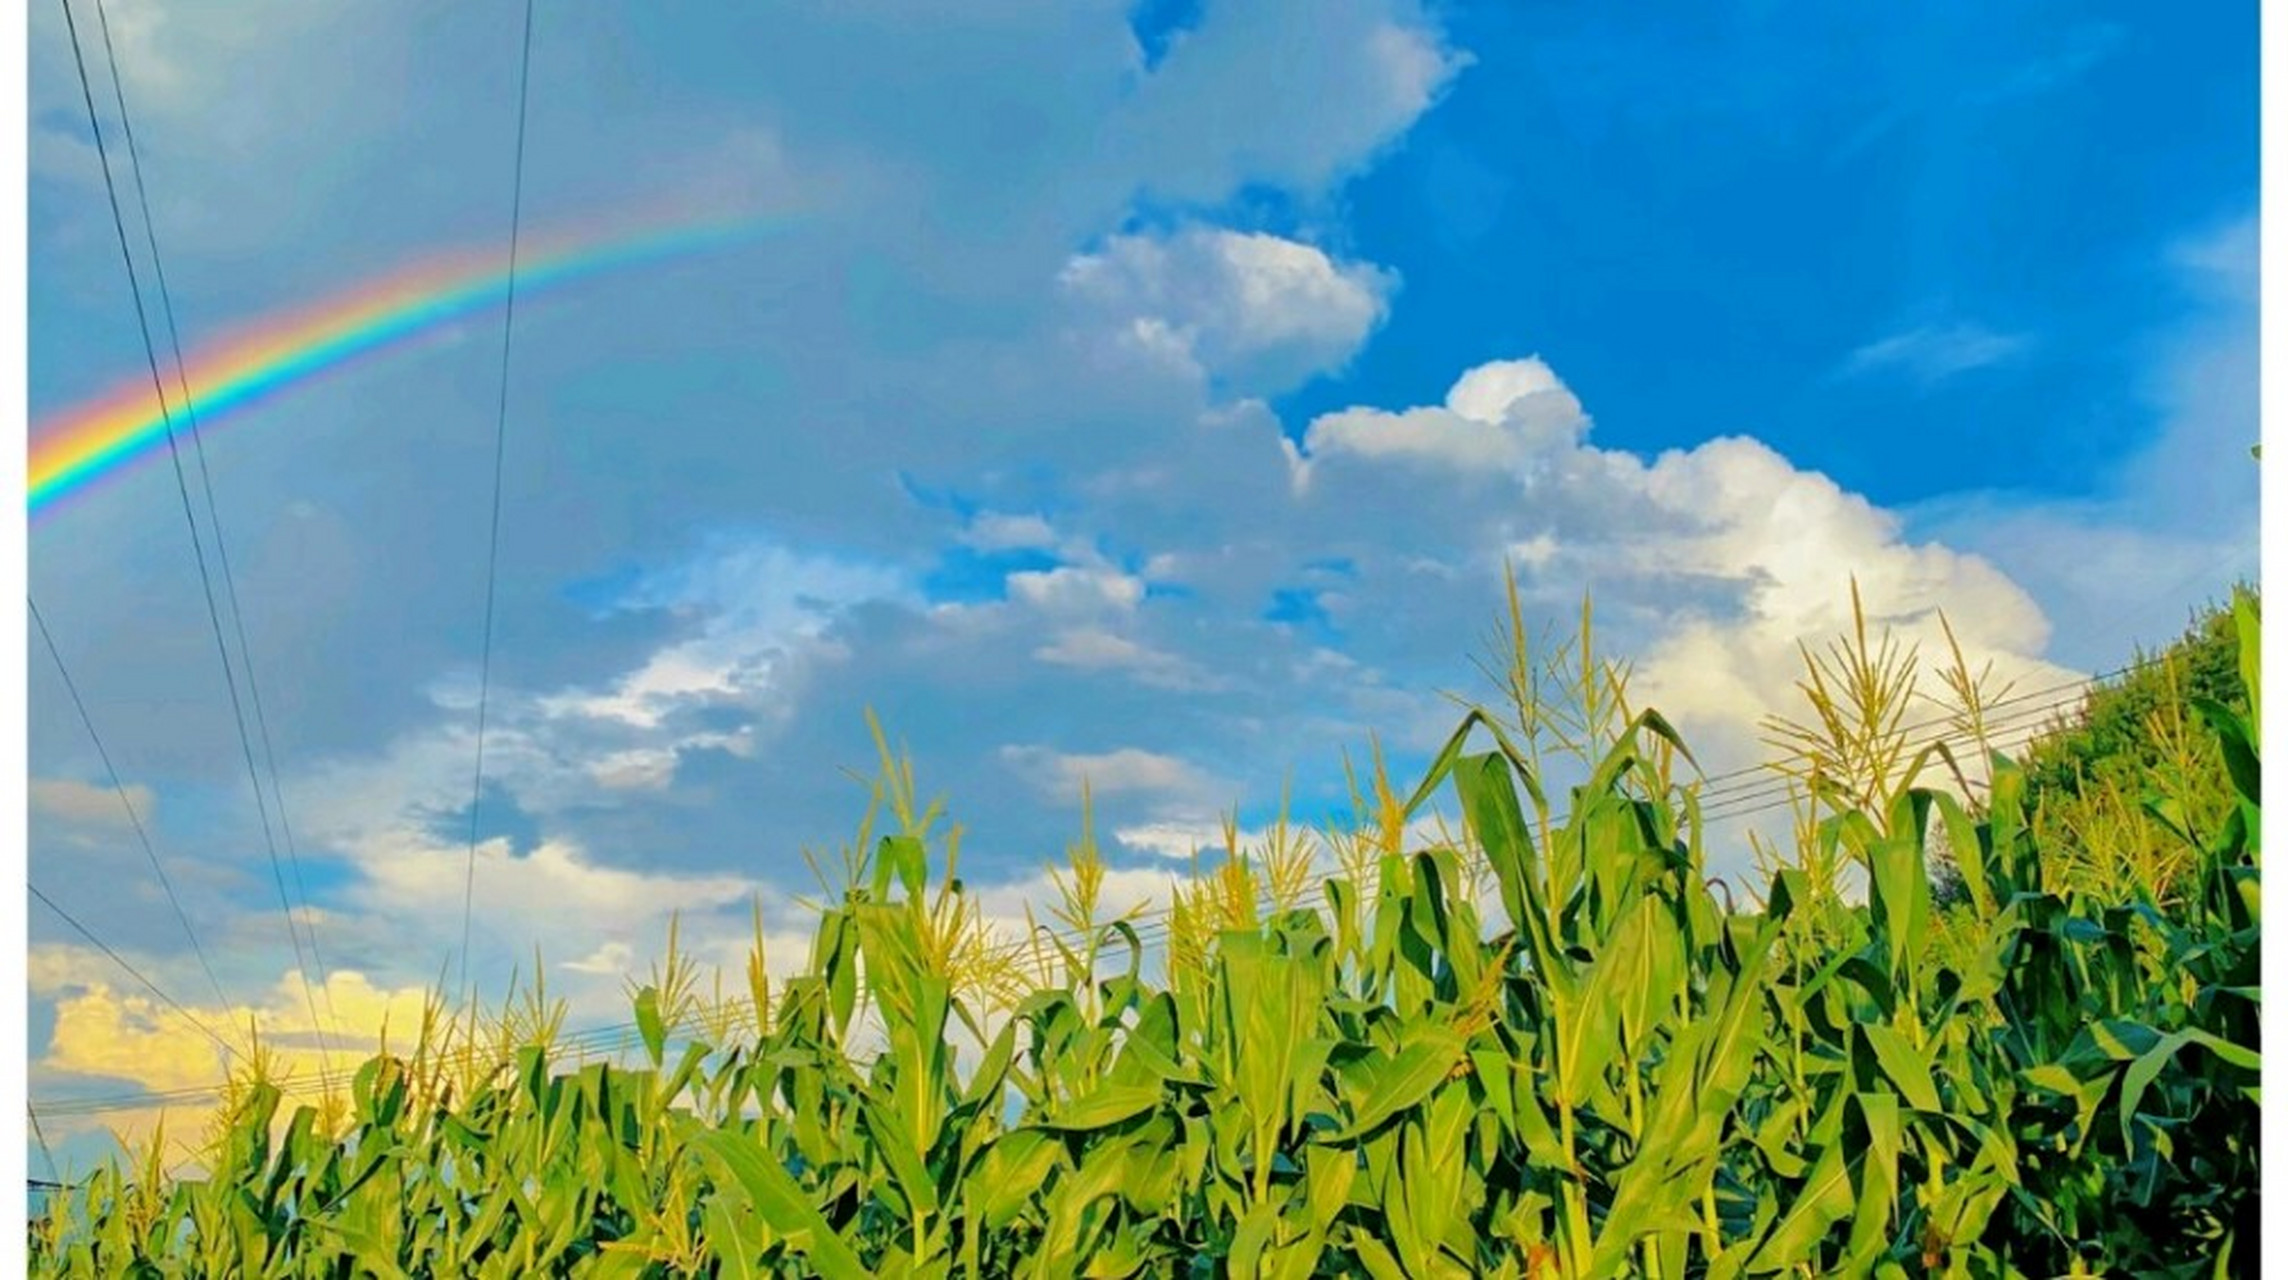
[1153, 926]
[1722, 802]
[183, 488]
[2034, 718]
[500, 450]
[214, 514]
[105, 947]
[120, 789]
[46, 1152]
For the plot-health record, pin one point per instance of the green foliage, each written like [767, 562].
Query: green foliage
[2112, 736]
[2113, 787]
[1626, 1077]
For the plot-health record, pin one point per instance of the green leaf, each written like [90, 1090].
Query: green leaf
[2236, 738]
[2139, 1077]
[1108, 1105]
[1253, 1237]
[1878, 1178]
[649, 1025]
[2119, 1039]
[1823, 1200]
[1588, 1035]
[1906, 1067]
[1376, 1257]
[2238, 1055]
[733, 1240]
[2248, 628]
[1009, 1174]
[1490, 803]
[1429, 1054]
[905, 857]
[781, 1203]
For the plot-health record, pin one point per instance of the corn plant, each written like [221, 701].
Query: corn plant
[1617, 1074]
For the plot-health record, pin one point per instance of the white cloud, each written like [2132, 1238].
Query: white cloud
[551, 882]
[669, 677]
[184, 80]
[1000, 531]
[1180, 841]
[1498, 417]
[1933, 353]
[1710, 565]
[761, 610]
[640, 769]
[1095, 649]
[716, 671]
[1072, 591]
[1715, 561]
[1061, 775]
[609, 960]
[107, 1034]
[1298, 92]
[1257, 312]
[85, 804]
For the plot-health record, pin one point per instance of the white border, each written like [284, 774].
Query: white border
[15, 134]
[2272, 358]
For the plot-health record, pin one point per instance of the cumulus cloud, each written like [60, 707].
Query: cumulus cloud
[1346, 80]
[1255, 312]
[107, 1037]
[1722, 672]
[1710, 564]
[1497, 418]
[761, 611]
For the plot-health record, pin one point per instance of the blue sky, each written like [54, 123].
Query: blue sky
[1759, 192]
[1151, 399]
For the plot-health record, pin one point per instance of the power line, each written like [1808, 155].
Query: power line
[105, 947]
[500, 450]
[46, 1152]
[1723, 803]
[2033, 718]
[183, 488]
[1151, 928]
[1154, 926]
[120, 788]
[214, 514]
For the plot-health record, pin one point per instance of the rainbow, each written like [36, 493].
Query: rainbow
[106, 435]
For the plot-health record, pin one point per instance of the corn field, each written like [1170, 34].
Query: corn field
[1544, 1048]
